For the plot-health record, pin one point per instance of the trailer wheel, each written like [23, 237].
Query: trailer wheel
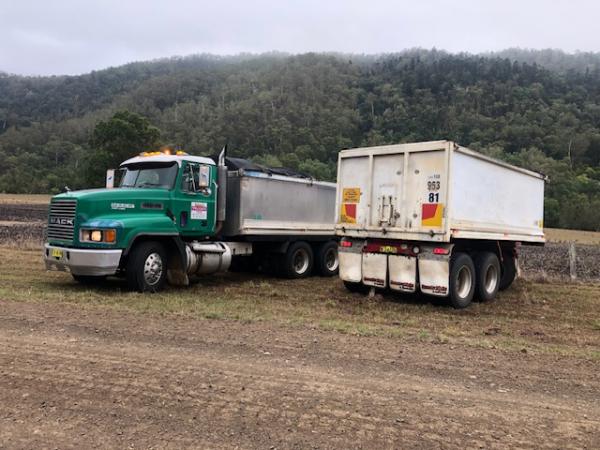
[462, 280]
[326, 259]
[146, 268]
[298, 260]
[356, 288]
[487, 268]
[509, 272]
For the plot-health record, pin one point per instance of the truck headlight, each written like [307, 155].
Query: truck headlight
[108, 236]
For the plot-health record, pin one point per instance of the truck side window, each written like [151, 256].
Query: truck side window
[196, 178]
[189, 183]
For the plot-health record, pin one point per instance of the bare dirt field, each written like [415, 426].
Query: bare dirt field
[251, 361]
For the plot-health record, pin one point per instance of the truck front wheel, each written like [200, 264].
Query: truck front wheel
[462, 280]
[146, 268]
[298, 260]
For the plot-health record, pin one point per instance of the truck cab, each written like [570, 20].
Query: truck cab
[165, 196]
[166, 220]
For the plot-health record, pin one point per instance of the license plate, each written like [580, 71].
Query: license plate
[57, 253]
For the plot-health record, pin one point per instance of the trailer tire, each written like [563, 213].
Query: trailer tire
[89, 279]
[462, 280]
[298, 260]
[487, 269]
[509, 272]
[356, 288]
[146, 268]
[327, 262]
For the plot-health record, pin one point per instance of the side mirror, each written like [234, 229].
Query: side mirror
[110, 178]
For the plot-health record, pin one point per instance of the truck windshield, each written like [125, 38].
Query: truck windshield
[154, 175]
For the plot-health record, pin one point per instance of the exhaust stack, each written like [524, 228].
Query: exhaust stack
[222, 188]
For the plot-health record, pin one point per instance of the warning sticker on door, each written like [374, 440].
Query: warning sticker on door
[199, 211]
[351, 195]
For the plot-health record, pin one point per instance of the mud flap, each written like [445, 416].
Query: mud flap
[374, 269]
[434, 274]
[350, 266]
[403, 273]
[176, 276]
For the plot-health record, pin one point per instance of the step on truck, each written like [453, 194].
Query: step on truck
[434, 217]
[174, 216]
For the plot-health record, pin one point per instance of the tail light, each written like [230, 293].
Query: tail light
[440, 251]
[346, 244]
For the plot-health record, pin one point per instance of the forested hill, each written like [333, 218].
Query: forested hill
[539, 110]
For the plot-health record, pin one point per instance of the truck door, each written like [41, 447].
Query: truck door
[194, 202]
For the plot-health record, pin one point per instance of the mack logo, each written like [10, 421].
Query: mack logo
[60, 221]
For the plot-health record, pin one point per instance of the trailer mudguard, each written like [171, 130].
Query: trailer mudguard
[403, 273]
[374, 269]
[434, 274]
[350, 260]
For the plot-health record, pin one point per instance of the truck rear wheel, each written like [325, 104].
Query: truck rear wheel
[509, 271]
[462, 280]
[298, 260]
[487, 268]
[326, 259]
[146, 268]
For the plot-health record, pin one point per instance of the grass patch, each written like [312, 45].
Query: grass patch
[550, 317]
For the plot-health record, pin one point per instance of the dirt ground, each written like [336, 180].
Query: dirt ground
[74, 377]
[252, 361]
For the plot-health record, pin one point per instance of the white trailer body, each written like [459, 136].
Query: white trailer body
[430, 196]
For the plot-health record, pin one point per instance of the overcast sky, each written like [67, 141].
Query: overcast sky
[77, 36]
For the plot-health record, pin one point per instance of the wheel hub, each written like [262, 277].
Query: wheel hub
[331, 259]
[153, 268]
[301, 261]
[465, 281]
[491, 278]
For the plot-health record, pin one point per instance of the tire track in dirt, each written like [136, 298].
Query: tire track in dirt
[105, 379]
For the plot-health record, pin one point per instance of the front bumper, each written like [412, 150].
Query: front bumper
[82, 261]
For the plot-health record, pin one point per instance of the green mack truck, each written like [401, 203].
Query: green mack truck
[174, 216]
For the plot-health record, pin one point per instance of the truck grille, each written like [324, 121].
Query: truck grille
[61, 219]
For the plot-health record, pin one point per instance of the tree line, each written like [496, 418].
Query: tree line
[537, 110]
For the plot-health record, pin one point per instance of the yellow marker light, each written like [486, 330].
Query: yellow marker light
[110, 236]
[96, 236]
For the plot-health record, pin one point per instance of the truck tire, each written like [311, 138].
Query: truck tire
[509, 271]
[89, 279]
[462, 280]
[146, 269]
[487, 269]
[326, 259]
[356, 288]
[298, 260]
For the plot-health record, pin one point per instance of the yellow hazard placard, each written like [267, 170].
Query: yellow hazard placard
[351, 195]
[348, 213]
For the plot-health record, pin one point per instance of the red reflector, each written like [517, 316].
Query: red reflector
[440, 251]
[346, 244]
